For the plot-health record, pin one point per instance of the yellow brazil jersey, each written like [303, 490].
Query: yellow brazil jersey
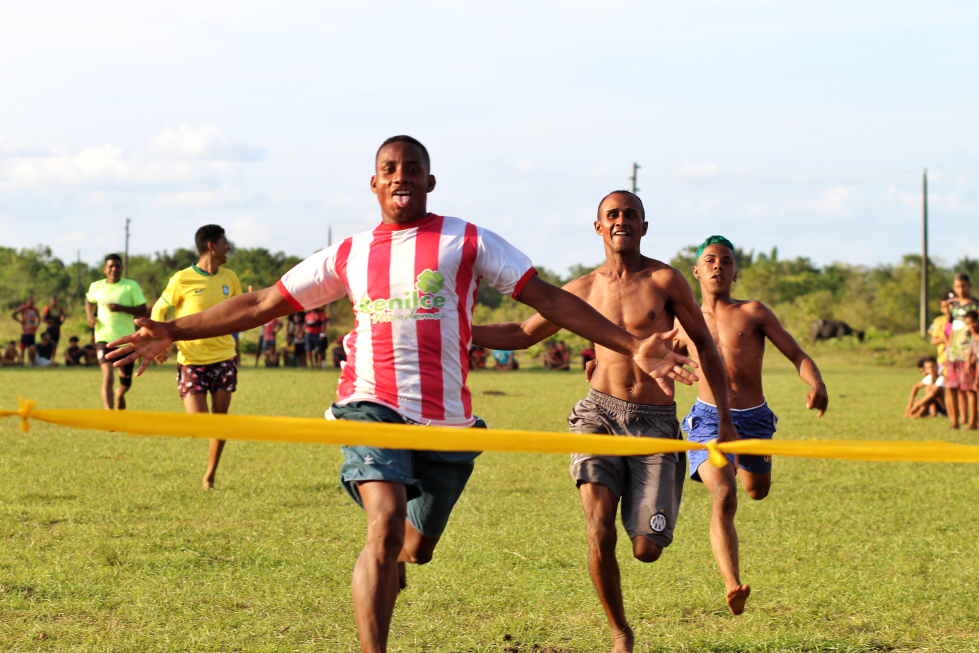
[192, 291]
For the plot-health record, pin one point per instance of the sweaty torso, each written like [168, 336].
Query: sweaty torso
[639, 303]
[737, 330]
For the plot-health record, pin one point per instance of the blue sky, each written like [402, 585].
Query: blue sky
[801, 125]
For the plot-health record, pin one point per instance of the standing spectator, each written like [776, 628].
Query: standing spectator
[587, 355]
[937, 332]
[297, 327]
[110, 306]
[958, 381]
[207, 365]
[54, 316]
[316, 320]
[269, 331]
[29, 319]
[339, 354]
[321, 351]
[44, 354]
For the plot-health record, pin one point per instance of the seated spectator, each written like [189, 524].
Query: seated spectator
[74, 354]
[44, 352]
[339, 354]
[11, 357]
[505, 360]
[933, 384]
[477, 358]
[289, 352]
[587, 355]
[556, 356]
[271, 354]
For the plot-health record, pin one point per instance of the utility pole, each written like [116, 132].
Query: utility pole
[924, 253]
[78, 275]
[329, 243]
[125, 260]
[635, 173]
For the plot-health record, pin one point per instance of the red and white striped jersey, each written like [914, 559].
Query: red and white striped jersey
[413, 287]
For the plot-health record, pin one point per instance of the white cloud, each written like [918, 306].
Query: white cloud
[202, 142]
[697, 170]
[524, 165]
[599, 172]
[249, 232]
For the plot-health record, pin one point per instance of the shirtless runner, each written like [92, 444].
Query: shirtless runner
[739, 328]
[643, 296]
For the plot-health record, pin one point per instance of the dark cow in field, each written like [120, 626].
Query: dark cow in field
[826, 329]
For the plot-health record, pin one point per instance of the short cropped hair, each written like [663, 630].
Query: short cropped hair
[209, 233]
[113, 257]
[926, 359]
[974, 315]
[626, 192]
[963, 277]
[402, 138]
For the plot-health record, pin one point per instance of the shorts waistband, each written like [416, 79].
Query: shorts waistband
[763, 404]
[619, 406]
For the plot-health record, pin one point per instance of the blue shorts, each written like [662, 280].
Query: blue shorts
[312, 342]
[702, 425]
[434, 479]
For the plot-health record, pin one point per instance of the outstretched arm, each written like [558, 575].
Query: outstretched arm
[817, 399]
[691, 318]
[652, 355]
[519, 335]
[237, 314]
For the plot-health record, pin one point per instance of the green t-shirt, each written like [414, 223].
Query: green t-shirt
[112, 325]
[958, 350]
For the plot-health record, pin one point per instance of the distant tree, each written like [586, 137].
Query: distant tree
[969, 266]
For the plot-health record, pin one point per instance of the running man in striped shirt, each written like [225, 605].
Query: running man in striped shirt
[412, 281]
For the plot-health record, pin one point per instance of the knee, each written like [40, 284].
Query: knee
[386, 534]
[601, 539]
[726, 500]
[757, 494]
[646, 551]
[419, 557]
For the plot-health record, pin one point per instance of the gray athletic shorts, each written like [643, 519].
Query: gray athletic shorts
[650, 486]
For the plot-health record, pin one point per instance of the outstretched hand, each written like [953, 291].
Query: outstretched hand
[660, 362]
[151, 340]
[818, 399]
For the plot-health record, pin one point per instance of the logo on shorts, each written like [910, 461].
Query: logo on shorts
[768, 459]
[658, 522]
[225, 289]
[368, 459]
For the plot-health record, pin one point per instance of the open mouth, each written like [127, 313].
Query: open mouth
[621, 233]
[402, 197]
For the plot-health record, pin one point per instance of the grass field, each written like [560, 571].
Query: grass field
[107, 543]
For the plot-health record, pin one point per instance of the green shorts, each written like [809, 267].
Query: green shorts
[434, 479]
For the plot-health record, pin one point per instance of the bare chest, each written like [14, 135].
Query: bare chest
[638, 307]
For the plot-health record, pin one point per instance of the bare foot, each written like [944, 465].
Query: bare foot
[402, 577]
[953, 426]
[208, 483]
[623, 641]
[736, 598]
[121, 402]
[973, 427]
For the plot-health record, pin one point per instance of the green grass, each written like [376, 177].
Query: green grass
[106, 542]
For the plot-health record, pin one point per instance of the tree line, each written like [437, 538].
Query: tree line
[881, 299]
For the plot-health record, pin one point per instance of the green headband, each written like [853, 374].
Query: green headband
[715, 240]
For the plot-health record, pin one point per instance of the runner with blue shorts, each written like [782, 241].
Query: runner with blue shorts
[740, 329]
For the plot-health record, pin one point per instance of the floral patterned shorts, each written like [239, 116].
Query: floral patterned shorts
[199, 379]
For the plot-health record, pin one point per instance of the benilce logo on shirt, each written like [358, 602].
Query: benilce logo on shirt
[425, 297]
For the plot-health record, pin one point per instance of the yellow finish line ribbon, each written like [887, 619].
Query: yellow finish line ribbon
[399, 436]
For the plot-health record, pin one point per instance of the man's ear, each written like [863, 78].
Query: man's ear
[696, 274]
[598, 227]
[735, 276]
[645, 226]
[431, 183]
[374, 184]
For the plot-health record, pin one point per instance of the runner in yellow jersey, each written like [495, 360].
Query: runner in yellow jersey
[210, 364]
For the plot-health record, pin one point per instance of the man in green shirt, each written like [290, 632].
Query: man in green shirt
[117, 301]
